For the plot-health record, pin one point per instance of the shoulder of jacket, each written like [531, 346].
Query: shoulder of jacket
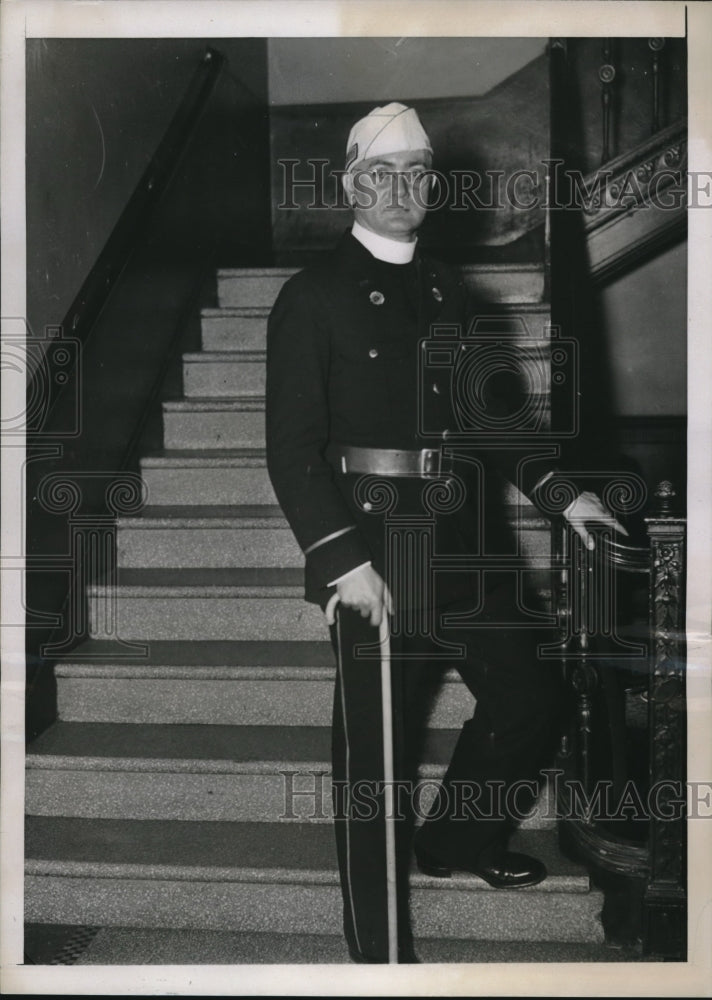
[305, 282]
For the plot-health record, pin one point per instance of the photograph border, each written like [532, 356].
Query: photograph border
[21, 19]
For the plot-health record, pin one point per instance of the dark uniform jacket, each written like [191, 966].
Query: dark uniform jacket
[342, 369]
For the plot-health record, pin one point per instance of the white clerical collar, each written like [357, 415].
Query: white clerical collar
[392, 251]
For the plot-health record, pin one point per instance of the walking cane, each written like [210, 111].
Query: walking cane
[384, 641]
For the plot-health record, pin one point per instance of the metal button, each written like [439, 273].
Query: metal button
[446, 434]
[373, 353]
[436, 388]
[367, 506]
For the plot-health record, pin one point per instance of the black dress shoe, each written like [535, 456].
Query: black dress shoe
[506, 870]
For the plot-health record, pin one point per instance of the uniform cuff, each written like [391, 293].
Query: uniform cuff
[337, 557]
[332, 583]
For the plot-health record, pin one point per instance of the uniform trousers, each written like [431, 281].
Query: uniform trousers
[499, 752]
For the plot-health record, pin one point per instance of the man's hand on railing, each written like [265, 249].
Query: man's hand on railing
[588, 507]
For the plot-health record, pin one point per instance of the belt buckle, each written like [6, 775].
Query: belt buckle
[429, 462]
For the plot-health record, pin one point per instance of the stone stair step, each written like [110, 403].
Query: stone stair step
[505, 283]
[251, 286]
[214, 423]
[272, 877]
[160, 946]
[194, 772]
[212, 655]
[238, 477]
[219, 683]
[245, 329]
[231, 329]
[224, 373]
[225, 604]
[245, 603]
[207, 536]
[195, 476]
[250, 535]
[231, 773]
[200, 603]
[491, 283]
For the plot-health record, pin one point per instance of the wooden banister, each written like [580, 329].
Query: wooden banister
[664, 902]
[131, 225]
[595, 662]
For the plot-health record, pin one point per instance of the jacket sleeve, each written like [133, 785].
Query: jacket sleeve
[297, 429]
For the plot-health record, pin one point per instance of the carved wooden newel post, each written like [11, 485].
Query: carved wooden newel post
[664, 904]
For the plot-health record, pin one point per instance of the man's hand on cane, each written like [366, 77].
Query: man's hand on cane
[587, 507]
[366, 592]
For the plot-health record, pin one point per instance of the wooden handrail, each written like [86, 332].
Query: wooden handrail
[628, 558]
[95, 290]
[131, 225]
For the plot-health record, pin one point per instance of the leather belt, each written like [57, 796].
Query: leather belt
[426, 463]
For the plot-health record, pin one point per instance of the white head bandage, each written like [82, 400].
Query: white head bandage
[394, 128]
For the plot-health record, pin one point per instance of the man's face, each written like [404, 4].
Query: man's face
[388, 195]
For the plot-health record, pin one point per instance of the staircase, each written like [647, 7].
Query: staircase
[186, 792]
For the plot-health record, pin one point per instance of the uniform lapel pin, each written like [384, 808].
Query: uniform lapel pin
[378, 298]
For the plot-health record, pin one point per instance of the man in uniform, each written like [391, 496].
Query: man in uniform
[348, 457]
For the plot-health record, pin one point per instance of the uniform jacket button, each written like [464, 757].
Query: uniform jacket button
[436, 388]
[373, 353]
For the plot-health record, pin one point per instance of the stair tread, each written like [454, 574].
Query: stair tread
[213, 404]
[219, 312]
[199, 457]
[248, 851]
[255, 312]
[273, 660]
[503, 267]
[240, 581]
[207, 653]
[188, 746]
[172, 515]
[239, 514]
[256, 272]
[162, 946]
[233, 356]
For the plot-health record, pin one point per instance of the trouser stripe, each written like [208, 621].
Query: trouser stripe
[348, 777]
